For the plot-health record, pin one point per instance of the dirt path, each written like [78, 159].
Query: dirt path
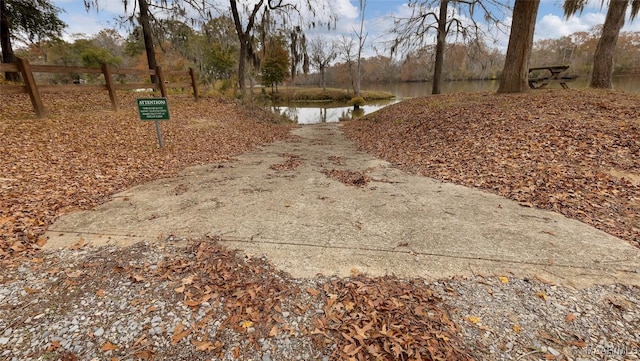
[281, 202]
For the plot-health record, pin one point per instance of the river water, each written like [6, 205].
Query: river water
[322, 113]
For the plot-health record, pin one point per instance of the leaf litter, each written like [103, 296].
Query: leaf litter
[357, 318]
[228, 306]
[348, 177]
[292, 162]
[83, 153]
[576, 152]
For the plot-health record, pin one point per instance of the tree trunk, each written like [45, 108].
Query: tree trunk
[323, 80]
[244, 38]
[243, 46]
[148, 38]
[356, 87]
[361, 39]
[5, 42]
[242, 63]
[603, 56]
[516, 64]
[440, 43]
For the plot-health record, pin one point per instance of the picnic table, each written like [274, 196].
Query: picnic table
[545, 75]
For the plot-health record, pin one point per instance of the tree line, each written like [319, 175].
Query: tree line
[477, 61]
[266, 40]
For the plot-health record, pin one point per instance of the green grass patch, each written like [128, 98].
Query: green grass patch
[318, 95]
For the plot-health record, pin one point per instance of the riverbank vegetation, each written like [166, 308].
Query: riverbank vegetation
[319, 95]
[476, 61]
[215, 71]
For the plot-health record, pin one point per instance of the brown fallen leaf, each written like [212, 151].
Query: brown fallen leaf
[188, 280]
[274, 331]
[139, 340]
[543, 280]
[569, 318]
[41, 241]
[108, 346]
[54, 346]
[192, 303]
[351, 349]
[578, 343]
[145, 355]
[203, 345]
[313, 292]
[179, 333]
[79, 244]
[137, 278]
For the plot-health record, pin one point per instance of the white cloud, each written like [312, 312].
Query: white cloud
[83, 24]
[552, 26]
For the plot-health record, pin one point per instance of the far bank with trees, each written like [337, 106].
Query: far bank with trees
[269, 43]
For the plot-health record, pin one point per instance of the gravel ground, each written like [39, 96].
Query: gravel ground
[151, 302]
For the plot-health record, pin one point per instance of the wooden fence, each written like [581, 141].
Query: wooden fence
[34, 90]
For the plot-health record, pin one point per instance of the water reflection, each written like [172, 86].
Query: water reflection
[331, 112]
[326, 113]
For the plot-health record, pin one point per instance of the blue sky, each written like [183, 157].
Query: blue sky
[550, 23]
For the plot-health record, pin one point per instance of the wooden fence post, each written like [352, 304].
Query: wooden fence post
[194, 84]
[32, 87]
[160, 76]
[106, 71]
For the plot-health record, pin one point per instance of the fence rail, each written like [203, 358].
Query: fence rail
[34, 90]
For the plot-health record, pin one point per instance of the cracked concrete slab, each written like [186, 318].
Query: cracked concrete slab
[279, 201]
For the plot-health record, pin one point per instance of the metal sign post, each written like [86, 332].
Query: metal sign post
[154, 109]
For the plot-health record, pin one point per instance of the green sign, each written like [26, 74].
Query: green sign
[153, 108]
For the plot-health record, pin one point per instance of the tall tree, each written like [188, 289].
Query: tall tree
[603, 56]
[345, 47]
[145, 19]
[245, 38]
[516, 64]
[245, 28]
[441, 37]
[28, 21]
[362, 37]
[322, 54]
[446, 18]
[222, 48]
[275, 65]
